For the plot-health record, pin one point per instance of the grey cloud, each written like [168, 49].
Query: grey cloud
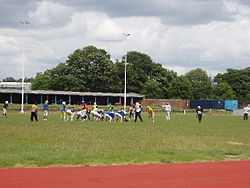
[244, 2]
[193, 13]
[187, 12]
[181, 12]
[12, 11]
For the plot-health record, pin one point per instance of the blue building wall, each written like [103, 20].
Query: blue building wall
[231, 104]
[215, 104]
[207, 104]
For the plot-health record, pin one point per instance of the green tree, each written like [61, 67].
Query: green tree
[12, 79]
[87, 69]
[93, 68]
[164, 78]
[152, 90]
[41, 81]
[247, 99]
[239, 80]
[201, 84]
[223, 91]
[9, 79]
[181, 88]
[138, 69]
[142, 71]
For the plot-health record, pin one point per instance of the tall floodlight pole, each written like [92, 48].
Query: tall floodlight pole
[23, 59]
[125, 76]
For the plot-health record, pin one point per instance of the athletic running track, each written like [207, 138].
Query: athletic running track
[188, 175]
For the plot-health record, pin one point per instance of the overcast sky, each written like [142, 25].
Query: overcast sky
[180, 34]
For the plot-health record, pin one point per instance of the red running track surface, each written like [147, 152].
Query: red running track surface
[188, 175]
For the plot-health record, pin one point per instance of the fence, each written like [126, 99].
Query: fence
[175, 103]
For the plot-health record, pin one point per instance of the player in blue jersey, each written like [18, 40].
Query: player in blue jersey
[45, 110]
[63, 110]
[120, 115]
[96, 114]
[109, 116]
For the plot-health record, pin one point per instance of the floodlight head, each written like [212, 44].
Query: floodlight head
[24, 22]
[126, 34]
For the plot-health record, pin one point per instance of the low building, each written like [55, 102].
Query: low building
[56, 97]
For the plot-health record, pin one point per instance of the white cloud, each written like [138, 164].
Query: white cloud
[8, 45]
[50, 14]
[56, 30]
[107, 31]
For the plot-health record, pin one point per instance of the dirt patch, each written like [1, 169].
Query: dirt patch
[235, 143]
[231, 155]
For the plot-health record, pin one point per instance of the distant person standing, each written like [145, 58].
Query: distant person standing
[246, 112]
[84, 105]
[199, 112]
[131, 111]
[45, 110]
[168, 109]
[63, 110]
[138, 109]
[95, 107]
[34, 111]
[110, 107]
[5, 107]
[151, 114]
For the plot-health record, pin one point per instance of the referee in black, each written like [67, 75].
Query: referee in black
[199, 112]
[138, 109]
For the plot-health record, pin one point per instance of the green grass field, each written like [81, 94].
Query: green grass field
[219, 137]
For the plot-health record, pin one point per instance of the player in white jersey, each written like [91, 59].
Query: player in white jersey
[82, 114]
[70, 114]
[246, 112]
[167, 108]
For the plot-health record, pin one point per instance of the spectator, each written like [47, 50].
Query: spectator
[34, 111]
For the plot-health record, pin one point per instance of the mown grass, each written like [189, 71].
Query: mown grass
[182, 139]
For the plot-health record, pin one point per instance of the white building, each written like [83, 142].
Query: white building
[15, 85]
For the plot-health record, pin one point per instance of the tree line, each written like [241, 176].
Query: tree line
[91, 69]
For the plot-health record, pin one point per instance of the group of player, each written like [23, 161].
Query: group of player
[95, 114]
